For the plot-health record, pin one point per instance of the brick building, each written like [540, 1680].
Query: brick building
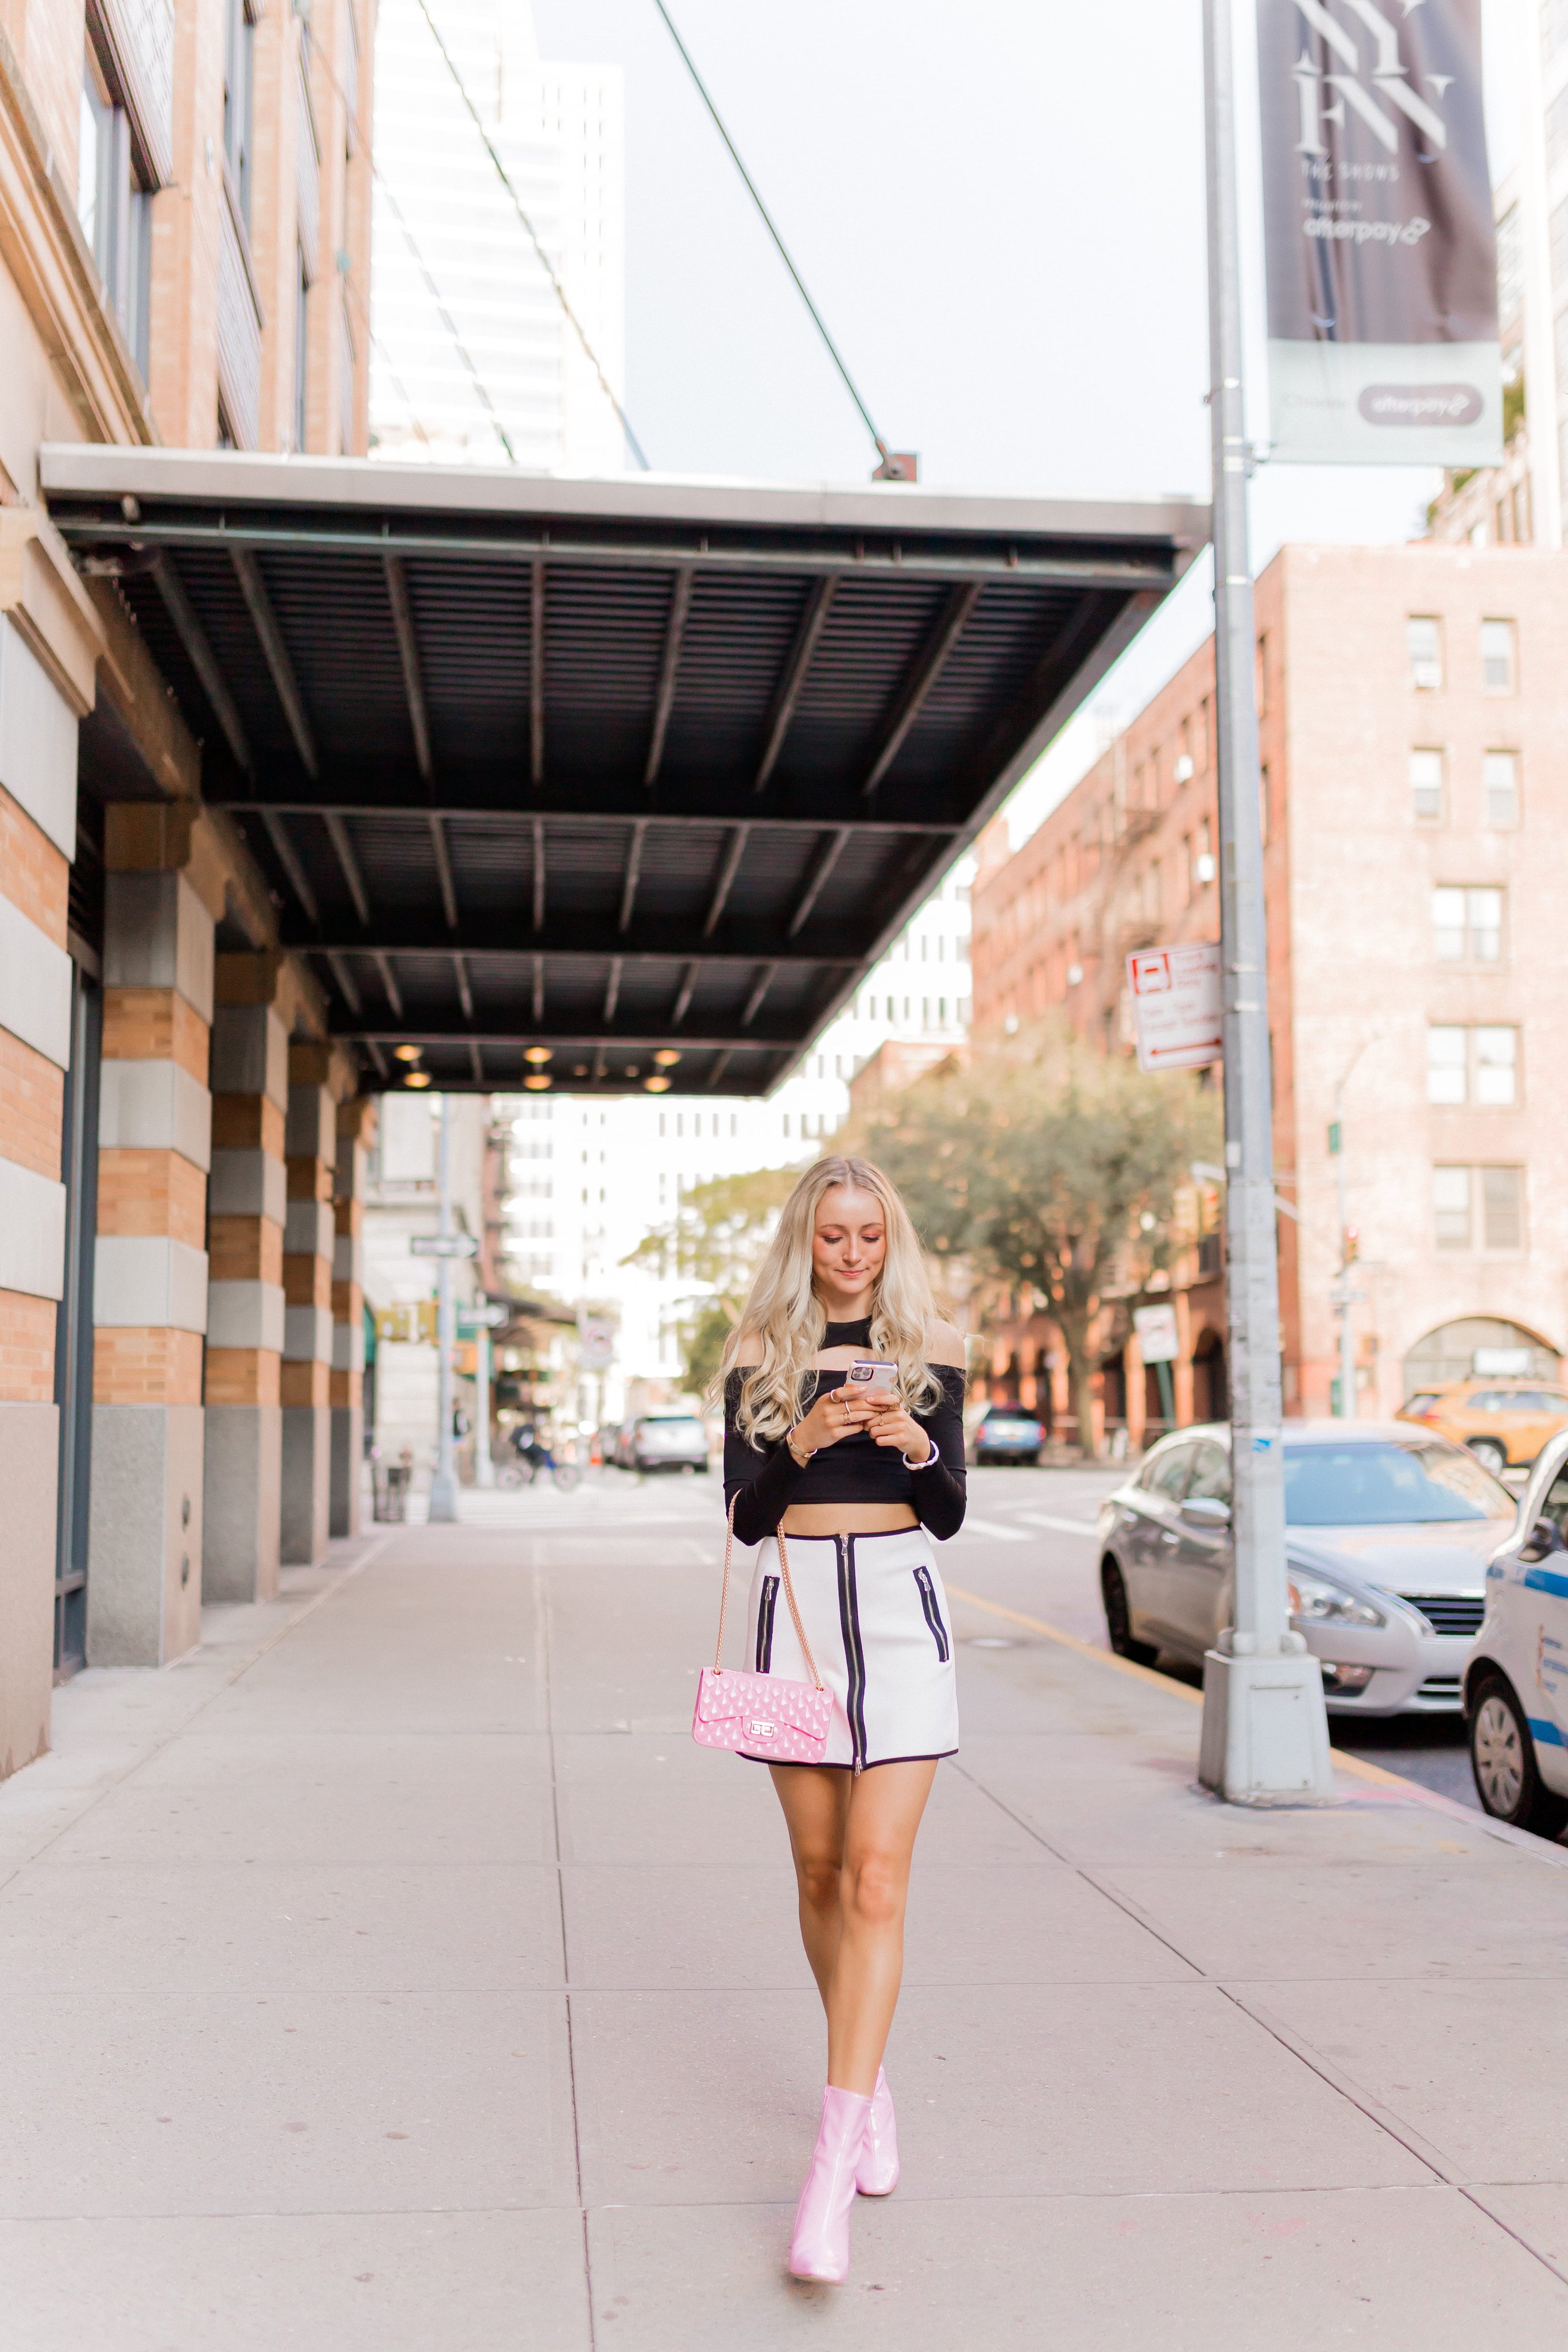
[185, 259]
[1414, 739]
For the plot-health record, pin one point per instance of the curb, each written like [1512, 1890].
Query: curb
[1355, 1768]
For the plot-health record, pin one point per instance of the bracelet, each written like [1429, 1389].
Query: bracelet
[789, 1446]
[931, 1457]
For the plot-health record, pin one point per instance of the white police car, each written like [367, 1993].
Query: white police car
[1516, 1678]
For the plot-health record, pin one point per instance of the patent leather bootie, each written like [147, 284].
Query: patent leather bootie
[877, 2173]
[820, 2247]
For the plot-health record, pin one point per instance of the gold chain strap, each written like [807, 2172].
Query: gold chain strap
[788, 1595]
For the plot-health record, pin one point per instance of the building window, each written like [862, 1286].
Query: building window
[1500, 776]
[1424, 649]
[1427, 786]
[1467, 925]
[1482, 1206]
[1204, 868]
[1451, 1207]
[114, 205]
[301, 297]
[1497, 658]
[239, 49]
[1479, 1066]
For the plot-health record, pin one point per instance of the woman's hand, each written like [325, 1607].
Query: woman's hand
[890, 1424]
[838, 1412]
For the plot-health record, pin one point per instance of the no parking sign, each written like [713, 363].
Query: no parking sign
[1175, 998]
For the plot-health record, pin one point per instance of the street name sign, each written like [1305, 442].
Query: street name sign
[471, 1320]
[1176, 1005]
[443, 1245]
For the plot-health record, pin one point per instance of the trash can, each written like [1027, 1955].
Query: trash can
[390, 1495]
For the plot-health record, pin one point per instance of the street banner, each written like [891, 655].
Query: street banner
[1380, 258]
[1176, 1007]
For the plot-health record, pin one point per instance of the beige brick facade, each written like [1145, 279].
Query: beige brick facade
[110, 1261]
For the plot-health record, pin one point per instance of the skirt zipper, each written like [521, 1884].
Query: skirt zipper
[854, 1656]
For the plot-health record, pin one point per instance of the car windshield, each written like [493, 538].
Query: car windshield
[674, 1425]
[1382, 1484]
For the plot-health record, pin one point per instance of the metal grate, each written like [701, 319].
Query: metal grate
[1449, 1613]
[609, 766]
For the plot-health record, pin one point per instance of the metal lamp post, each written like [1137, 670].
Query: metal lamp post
[1265, 1727]
[444, 1479]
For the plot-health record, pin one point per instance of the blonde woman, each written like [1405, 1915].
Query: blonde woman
[859, 1479]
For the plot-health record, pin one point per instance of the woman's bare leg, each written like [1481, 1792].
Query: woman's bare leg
[852, 1836]
[816, 1801]
[884, 1810]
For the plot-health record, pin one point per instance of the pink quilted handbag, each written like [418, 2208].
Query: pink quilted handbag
[784, 1722]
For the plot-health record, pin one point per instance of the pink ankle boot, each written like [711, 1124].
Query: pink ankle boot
[820, 2247]
[877, 2174]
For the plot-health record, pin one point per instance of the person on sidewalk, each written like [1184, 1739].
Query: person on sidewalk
[858, 1478]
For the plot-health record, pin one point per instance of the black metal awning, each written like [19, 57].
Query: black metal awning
[606, 768]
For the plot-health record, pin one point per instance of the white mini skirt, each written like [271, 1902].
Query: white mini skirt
[876, 1614]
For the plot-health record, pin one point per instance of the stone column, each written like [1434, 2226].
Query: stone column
[311, 1143]
[356, 1127]
[150, 1278]
[246, 1205]
[38, 840]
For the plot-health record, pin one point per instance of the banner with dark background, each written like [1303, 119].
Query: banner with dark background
[1381, 257]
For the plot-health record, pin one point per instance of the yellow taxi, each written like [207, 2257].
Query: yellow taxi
[1504, 1423]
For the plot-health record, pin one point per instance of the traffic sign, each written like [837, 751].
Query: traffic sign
[1175, 998]
[443, 1245]
[472, 1320]
[596, 1341]
[1158, 1341]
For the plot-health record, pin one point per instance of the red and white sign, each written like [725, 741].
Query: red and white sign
[1176, 997]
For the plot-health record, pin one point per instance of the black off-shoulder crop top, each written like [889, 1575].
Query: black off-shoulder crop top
[767, 1479]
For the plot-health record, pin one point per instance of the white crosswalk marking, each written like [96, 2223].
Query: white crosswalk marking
[993, 1528]
[1063, 1526]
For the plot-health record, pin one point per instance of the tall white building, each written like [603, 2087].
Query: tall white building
[470, 342]
[588, 1179]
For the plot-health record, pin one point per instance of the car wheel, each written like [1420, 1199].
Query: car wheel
[1502, 1757]
[1490, 1454]
[1119, 1618]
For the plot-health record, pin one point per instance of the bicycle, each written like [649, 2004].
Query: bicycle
[524, 1472]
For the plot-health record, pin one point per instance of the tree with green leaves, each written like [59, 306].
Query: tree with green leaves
[716, 1238]
[1052, 1167]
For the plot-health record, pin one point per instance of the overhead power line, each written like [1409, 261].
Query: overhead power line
[833, 352]
[444, 315]
[441, 312]
[558, 288]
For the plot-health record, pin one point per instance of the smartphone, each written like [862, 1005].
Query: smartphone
[875, 1375]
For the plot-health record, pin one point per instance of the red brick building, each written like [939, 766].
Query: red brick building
[1413, 742]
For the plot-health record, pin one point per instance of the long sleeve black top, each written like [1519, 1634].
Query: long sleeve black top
[767, 1477]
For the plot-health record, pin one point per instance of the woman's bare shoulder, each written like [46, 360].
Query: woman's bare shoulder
[944, 1345]
[747, 1350]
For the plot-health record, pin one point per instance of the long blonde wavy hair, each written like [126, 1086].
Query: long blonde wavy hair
[783, 1312]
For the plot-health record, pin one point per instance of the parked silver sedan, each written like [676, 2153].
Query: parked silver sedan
[1388, 1532]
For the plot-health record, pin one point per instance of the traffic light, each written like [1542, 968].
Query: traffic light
[1352, 1244]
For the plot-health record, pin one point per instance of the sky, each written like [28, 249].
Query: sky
[997, 207]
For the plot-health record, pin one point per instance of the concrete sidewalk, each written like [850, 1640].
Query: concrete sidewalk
[397, 1974]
